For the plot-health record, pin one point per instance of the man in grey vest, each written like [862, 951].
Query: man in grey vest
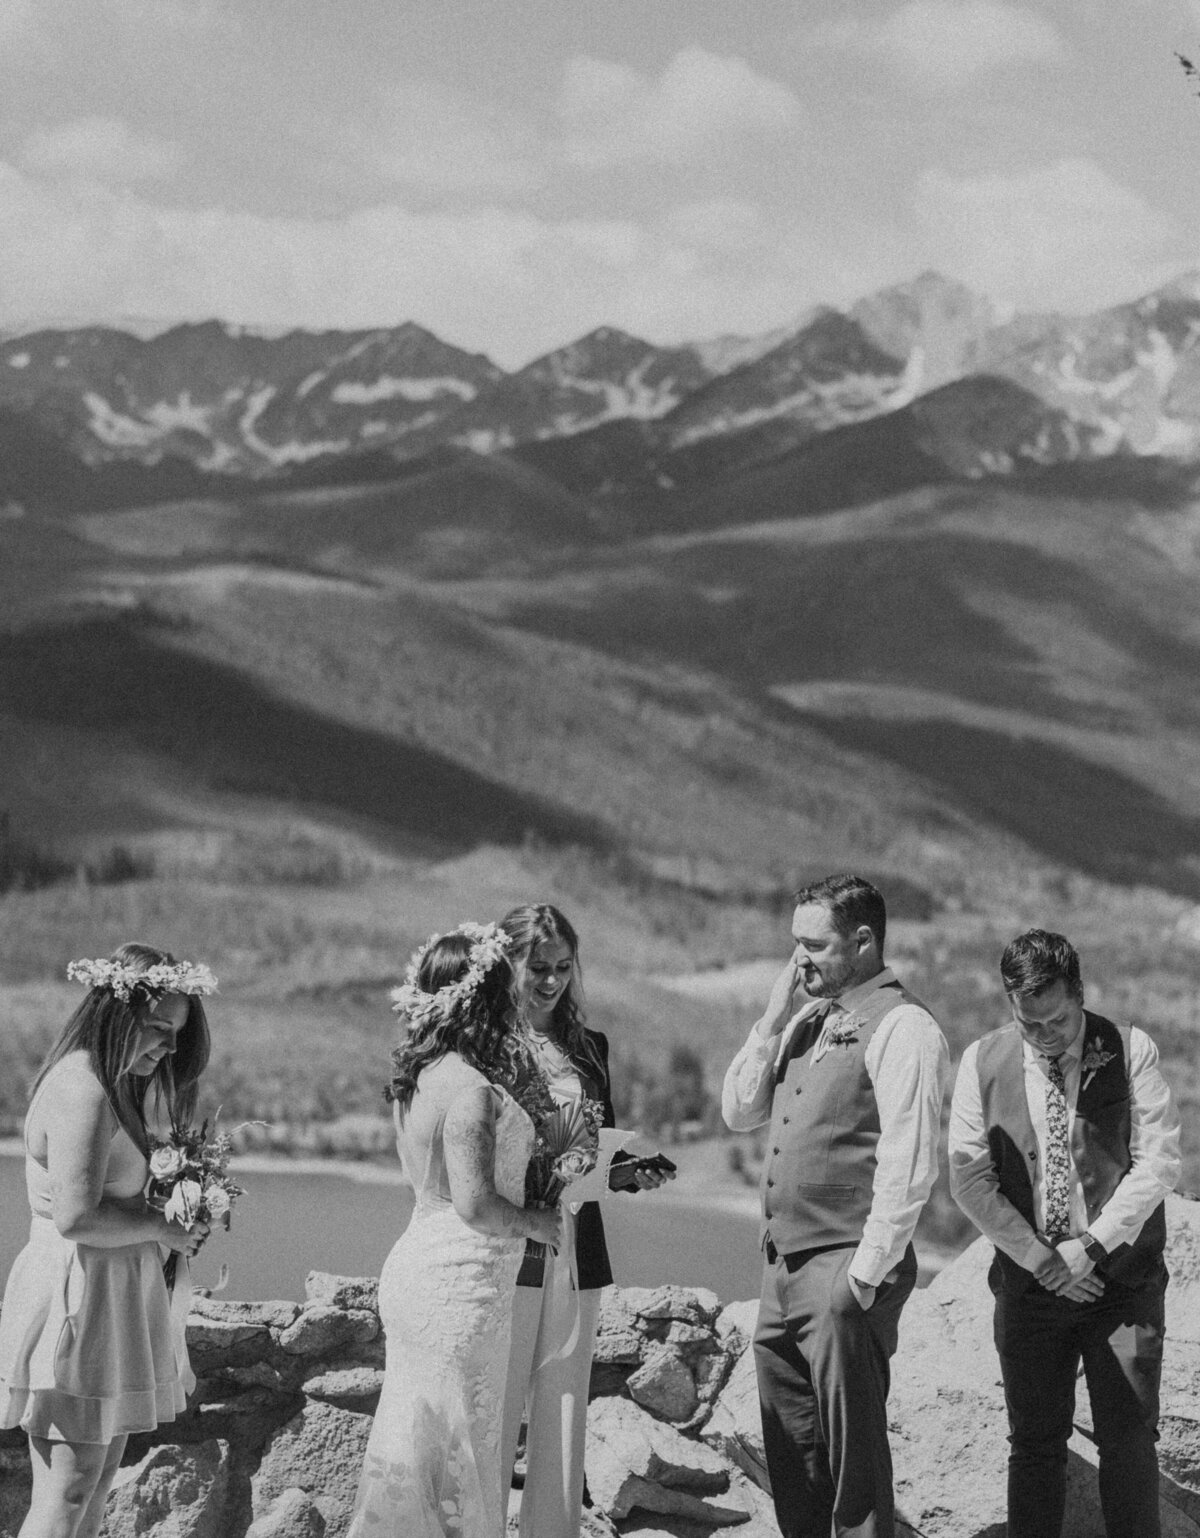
[1063, 1142]
[852, 1085]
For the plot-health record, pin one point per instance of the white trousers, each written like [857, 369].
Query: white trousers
[553, 1402]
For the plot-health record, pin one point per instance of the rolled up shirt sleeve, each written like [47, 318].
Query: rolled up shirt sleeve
[1153, 1149]
[908, 1062]
[974, 1181]
[750, 1081]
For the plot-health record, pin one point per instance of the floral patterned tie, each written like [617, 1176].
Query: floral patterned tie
[1058, 1161]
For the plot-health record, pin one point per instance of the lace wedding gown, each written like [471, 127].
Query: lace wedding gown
[432, 1466]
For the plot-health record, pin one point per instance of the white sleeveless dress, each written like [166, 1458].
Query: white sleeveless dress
[432, 1466]
[91, 1343]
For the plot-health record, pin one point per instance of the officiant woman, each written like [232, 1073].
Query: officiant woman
[552, 1344]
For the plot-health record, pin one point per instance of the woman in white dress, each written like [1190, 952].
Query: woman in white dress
[91, 1342]
[432, 1465]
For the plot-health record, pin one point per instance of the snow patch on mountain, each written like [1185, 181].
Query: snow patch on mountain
[182, 413]
[822, 404]
[114, 428]
[292, 452]
[353, 392]
[722, 354]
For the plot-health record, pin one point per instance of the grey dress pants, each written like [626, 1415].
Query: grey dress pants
[824, 1367]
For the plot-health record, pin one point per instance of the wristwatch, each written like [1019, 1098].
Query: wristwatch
[1093, 1249]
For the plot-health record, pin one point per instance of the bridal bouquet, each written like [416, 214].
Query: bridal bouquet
[190, 1181]
[565, 1148]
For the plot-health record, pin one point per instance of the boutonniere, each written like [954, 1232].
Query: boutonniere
[1093, 1060]
[844, 1030]
[836, 1033]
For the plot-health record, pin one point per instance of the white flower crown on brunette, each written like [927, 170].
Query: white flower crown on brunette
[127, 978]
[489, 945]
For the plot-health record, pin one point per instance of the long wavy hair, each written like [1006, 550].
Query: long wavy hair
[530, 926]
[479, 1028]
[106, 1028]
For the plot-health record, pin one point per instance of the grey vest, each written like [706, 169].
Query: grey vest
[1099, 1141]
[819, 1172]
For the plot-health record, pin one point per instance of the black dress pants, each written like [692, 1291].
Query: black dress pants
[823, 1375]
[1041, 1340]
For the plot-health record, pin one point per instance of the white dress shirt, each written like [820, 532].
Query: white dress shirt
[1153, 1148]
[908, 1063]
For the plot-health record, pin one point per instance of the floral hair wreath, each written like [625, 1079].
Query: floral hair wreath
[489, 945]
[126, 979]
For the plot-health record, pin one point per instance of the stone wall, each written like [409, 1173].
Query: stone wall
[271, 1445]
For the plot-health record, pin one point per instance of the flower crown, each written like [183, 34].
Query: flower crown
[489, 945]
[127, 978]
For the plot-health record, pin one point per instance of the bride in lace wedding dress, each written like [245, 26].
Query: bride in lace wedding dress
[432, 1466]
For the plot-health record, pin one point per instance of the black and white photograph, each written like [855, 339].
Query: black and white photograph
[599, 769]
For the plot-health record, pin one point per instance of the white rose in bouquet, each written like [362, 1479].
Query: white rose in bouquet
[166, 1161]
[218, 1201]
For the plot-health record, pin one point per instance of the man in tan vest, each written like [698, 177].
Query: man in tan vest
[1063, 1142]
[852, 1084]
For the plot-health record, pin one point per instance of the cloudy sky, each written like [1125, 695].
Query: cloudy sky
[511, 173]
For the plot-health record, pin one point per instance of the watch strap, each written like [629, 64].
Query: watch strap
[1094, 1250]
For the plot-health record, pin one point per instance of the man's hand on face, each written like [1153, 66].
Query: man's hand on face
[780, 1007]
[1066, 1270]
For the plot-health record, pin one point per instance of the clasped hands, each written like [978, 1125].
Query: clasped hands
[1065, 1268]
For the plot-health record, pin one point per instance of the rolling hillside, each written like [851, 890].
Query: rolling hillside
[660, 674]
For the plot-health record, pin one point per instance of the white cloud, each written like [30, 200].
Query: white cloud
[17, 21]
[509, 283]
[1065, 235]
[701, 104]
[98, 148]
[718, 225]
[948, 43]
[435, 138]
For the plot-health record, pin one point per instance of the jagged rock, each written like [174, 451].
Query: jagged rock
[174, 1492]
[664, 1384]
[639, 1444]
[226, 1340]
[342, 1291]
[293, 1515]
[760, 1518]
[683, 1334]
[635, 1461]
[642, 1494]
[735, 1324]
[276, 1314]
[697, 1305]
[319, 1452]
[735, 1426]
[619, 1348]
[323, 1329]
[353, 1388]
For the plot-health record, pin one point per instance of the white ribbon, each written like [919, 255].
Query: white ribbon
[560, 1277]
[181, 1307]
[559, 1330]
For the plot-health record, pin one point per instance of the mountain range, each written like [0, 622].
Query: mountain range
[203, 400]
[909, 587]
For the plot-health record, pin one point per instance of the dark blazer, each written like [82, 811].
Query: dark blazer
[591, 1251]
